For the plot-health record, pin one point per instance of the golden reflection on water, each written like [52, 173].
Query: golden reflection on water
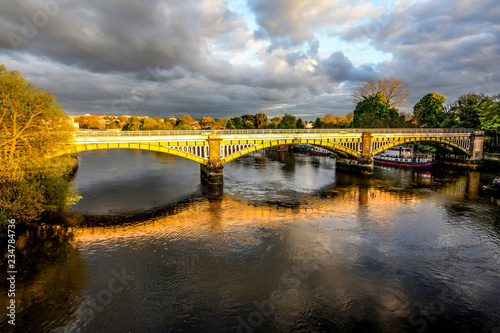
[345, 209]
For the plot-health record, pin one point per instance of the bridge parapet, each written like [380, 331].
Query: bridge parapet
[205, 133]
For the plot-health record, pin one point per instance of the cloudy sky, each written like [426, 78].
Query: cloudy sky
[224, 58]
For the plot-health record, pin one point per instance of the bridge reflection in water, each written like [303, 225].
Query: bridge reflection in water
[212, 149]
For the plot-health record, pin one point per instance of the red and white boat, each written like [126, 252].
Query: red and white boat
[319, 151]
[285, 147]
[404, 157]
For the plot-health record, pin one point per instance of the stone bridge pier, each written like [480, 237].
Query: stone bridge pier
[212, 172]
[366, 160]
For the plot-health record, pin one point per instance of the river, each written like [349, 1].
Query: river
[287, 244]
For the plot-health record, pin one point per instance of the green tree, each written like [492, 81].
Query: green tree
[249, 125]
[271, 125]
[186, 127]
[466, 110]
[428, 112]
[183, 125]
[374, 111]
[300, 124]
[489, 117]
[319, 123]
[288, 121]
[230, 124]
[238, 123]
[248, 117]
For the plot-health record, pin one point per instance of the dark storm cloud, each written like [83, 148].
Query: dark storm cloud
[113, 35]
[197, 57]
[339, 68]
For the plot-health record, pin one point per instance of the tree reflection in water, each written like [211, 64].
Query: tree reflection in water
[50, 277]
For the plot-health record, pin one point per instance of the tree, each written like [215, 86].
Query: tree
[319, 123]
[153, 124]
[349, 117]
[288, 121]
[188, 119]
[90, 122]
[490, 118]
[428, 112]
[148, 124]
[260, 120]
[330, 118]
[248, 117]
[33, 125]
[112, 122]
[238, 123]
[33, 128]
[271, 125]
[248, 125]
[223, 122]
[182, 124]
[374, 111]
[300, 123]
[467, 109]
[207, 121]
[186, 127]
[391, 88]
[133, 124]
[168, 125]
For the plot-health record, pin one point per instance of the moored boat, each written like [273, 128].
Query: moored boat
[494, 187]
[301, 148]
[404, 157]
[319, 151]
[285, 147]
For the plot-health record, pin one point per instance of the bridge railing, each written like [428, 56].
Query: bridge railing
[105, 133]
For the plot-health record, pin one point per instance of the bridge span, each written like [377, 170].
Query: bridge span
[213, 148]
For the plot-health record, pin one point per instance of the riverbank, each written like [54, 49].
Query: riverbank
[34, 195]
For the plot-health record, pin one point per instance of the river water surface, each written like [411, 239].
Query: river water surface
[287, 244]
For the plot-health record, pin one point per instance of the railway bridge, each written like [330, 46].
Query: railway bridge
[214, 148]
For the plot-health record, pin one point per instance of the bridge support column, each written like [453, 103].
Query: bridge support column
[477, 145]
[212, 173]
[366, 160]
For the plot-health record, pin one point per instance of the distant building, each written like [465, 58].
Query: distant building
[72, 121]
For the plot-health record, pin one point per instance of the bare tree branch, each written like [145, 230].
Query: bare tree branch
[391, 88]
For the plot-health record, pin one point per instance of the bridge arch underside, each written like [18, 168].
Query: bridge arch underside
[339, 145]
[438, 142]
[141, 146]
